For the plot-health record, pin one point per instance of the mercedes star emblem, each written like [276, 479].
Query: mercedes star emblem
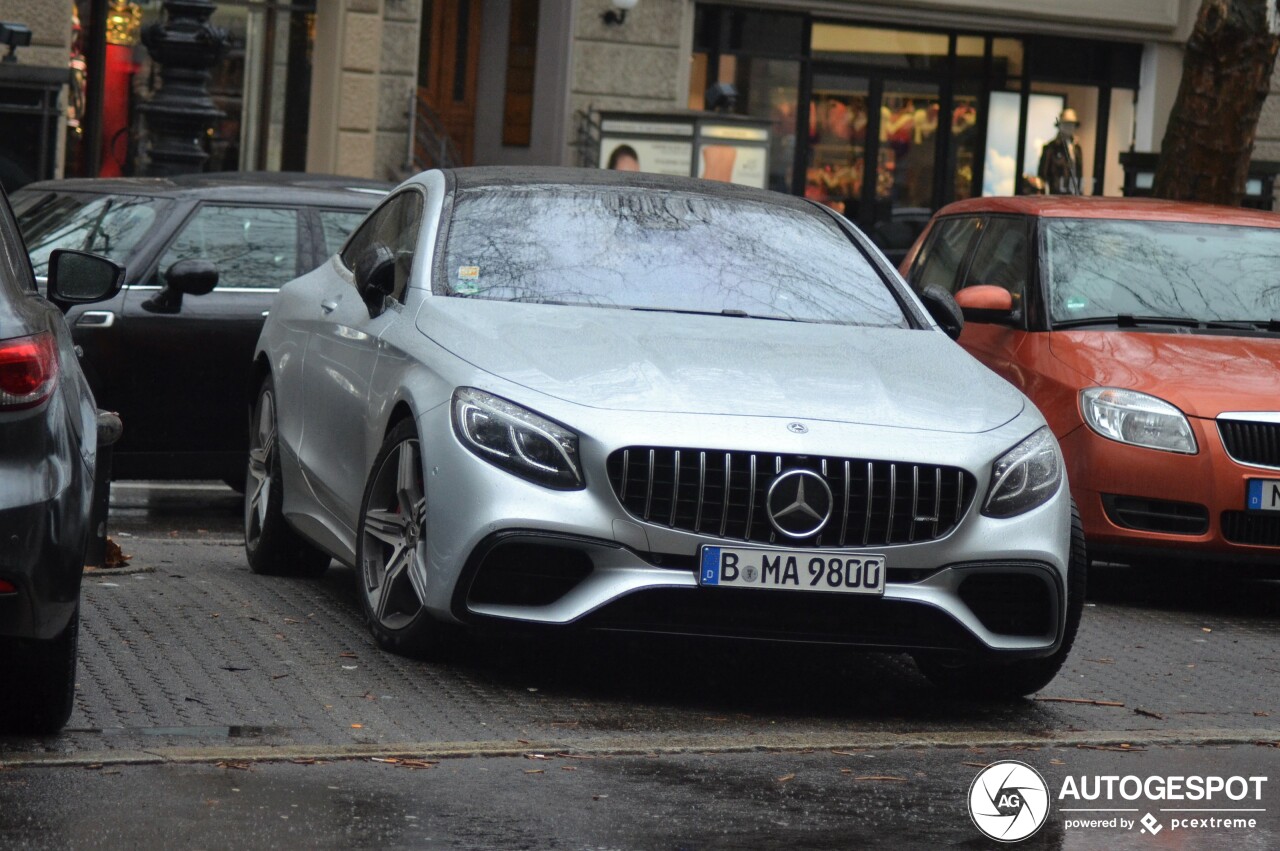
[797, 428]
[799, 503]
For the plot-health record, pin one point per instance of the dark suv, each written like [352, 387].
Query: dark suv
[48, 458]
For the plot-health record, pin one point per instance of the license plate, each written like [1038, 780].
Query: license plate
[1263, 495]
[792, 570]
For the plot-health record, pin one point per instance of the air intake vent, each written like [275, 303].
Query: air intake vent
[724, 494]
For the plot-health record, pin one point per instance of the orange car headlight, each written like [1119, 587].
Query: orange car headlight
[1128, 416]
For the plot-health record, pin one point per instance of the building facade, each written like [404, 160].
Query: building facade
[884, 110]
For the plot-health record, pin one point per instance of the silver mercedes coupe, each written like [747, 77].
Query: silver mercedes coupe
[603, 400]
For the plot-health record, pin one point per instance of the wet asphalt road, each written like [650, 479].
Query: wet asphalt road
[198, 678]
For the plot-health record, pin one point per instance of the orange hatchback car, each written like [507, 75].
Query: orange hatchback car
[1148, 333]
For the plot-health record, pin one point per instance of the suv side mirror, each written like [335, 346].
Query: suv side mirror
[944, 310]
[77, 277]
[192, 276]
[985, 303]
[375, 275]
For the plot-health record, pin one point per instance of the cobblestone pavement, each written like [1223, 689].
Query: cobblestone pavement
[188, 649]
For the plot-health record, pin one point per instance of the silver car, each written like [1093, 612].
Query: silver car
[632, 402]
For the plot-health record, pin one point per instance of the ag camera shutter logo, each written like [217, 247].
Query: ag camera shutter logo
[1008, 801]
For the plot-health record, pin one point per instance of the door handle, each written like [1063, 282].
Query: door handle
[96, 319]
[329, 305]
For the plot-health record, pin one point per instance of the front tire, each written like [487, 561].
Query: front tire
[1003, 681]
[270, 543]
[40, 682]
[391, 548]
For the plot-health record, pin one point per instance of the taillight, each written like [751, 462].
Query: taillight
[28, 370]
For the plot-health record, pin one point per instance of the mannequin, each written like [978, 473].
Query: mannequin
[1061, 169]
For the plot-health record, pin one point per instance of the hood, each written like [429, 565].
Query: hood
[680, 363]
[1202, 374]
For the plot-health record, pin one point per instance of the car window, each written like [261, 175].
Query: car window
[1001, 258]
[942, 254]
[14, 268]
[395, 225]
[110, 225]
[253, 247]
[337, 225]
[1098, 268]
[661, 250]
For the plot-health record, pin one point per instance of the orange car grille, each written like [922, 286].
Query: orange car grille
[724, 494]
[1251, 442]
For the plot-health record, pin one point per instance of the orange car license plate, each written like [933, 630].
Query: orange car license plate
[1263, 495]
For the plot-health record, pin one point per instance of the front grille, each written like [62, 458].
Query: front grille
[1156, 515]
[1251, 442]
[785, 616]
[1246, 527]
[713, 492]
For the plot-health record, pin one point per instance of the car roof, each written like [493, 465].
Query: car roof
[480, 177]
[285, 187]
[1098, 207]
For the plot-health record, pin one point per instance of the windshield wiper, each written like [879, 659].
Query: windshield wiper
[1127, 320]
[1272, 325]
[728, 311]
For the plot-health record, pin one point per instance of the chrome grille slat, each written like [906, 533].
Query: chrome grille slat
[648, 494]
[643, 489]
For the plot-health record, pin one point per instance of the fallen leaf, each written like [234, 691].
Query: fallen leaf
[114, 556]
[568, 768]
[238, 766]
[1056, 762]
[598, 797]
[1205, 629]
[291, 621]
[536, 756]
[786, 778]
[1148, 713]
[347, 654]
[588, 756]
[278, 676]
[1268, 744]
[1083, 700]
[850, 770]
[93, 766]
[972, 764]
[535, 771]
[216, 615]
[280, 635]
[1102, 661]
[305, 761]
[390, 759]
[523, 741]
[234, 668]
[418, 763]
[884, 777]
[1125, 748]
[357, 726]
[846, 753]
[1262, 715]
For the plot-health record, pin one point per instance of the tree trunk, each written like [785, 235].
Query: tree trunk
[1226, 76]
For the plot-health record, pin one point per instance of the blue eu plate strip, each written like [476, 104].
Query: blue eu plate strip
[710, 565]
[1255, 494]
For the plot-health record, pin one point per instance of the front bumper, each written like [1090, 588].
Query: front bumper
[600, 567]
[1144, 503]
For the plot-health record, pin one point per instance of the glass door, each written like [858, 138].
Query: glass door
[840, 114]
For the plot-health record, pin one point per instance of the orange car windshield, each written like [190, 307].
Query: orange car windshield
[1106, 268]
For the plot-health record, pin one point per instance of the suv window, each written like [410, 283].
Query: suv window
[395, 225]
[253, 247]
[1001, 257]
[940, 259]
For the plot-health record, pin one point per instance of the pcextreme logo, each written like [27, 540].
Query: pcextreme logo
[1009, 801]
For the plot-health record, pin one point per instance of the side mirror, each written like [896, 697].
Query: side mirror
[985, 303]
[376, 276]
[944, 310]
[186, 277]
[77, 277]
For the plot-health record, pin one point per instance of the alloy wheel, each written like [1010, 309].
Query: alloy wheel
[393, 546]
[257, 492]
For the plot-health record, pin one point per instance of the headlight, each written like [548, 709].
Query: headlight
[1137, 419]
[1024, 477]
[516, 439]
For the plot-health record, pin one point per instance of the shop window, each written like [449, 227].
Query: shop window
[1002, 172]
[902, 49]
[522, 50]
[966, 141]
[1006, 62]
[1120, 127]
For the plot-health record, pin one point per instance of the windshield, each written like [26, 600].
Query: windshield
[652, 250]
[1176, 270]
[110, 225]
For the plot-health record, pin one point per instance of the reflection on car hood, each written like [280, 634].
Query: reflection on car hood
[1202, 374]
[642, 361]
